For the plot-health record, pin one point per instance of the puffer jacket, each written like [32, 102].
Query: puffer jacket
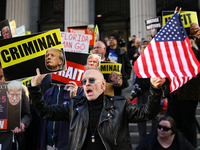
[116, 114]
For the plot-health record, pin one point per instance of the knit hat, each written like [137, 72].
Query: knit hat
[145, 40]
[116, 36]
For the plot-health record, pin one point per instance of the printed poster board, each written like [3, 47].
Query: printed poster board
[153, 23]
[74, 42]
[5, 30]
[75, 69]
[20, 56]
[111, 71]
[10, 105]
[187, 17]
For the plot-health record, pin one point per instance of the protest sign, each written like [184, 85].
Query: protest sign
[97, 35]
[5, 30]
[84, 30]
[111, 71]
[21, 30]
[74, 42]
[10, 105]
[13, 28]
[75, 69]
[153, 23]
[20, 56]
[187, 18]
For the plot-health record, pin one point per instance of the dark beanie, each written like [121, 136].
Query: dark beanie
[116, 36]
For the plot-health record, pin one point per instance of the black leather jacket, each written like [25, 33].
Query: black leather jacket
[114, 120]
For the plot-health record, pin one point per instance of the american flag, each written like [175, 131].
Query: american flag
[169, 55]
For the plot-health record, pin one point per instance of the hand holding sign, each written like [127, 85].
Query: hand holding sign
[20, 130]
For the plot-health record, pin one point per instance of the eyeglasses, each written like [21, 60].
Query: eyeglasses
[164, 128]
[91, 80]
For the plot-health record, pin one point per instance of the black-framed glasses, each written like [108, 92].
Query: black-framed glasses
[164, 128]
[91, 80]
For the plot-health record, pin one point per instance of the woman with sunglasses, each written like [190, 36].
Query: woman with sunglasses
[166, 137]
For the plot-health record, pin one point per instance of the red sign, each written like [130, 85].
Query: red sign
[74, 73]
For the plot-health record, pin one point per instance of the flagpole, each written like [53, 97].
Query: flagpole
[179, 10]
[176, 9]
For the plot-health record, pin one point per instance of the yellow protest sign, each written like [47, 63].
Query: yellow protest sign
[107, 68]
[29, 48]
[26, 81]
[187, 18]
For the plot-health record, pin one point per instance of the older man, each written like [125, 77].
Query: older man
[6, 32]
[119, 55]
[100, 48]
[54, 59]
[98, 121]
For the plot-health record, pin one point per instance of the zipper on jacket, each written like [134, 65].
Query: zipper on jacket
[54, 121]
[99, 132]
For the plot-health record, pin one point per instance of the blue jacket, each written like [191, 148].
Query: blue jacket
[64, 126]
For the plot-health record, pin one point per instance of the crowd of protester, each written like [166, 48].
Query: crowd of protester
[61, 126]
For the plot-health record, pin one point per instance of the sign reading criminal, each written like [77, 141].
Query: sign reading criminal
[22, 55]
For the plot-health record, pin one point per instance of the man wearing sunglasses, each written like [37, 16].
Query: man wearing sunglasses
[98, 121]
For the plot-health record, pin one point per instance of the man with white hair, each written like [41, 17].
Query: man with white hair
[6, 32]
[98, 121]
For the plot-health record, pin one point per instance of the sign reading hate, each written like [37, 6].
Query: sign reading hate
[74, 42]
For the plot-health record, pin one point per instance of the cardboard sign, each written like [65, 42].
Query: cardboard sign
[21, 30]
[13, 28]
[111, 71]
[5, 32]
[187, 17]
[20, 56]
[153, 23]
[74, 42]
[83, 30]
[10, 105]
[75, 69]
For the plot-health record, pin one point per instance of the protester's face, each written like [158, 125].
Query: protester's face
[53, 61]
[191, 42]
[137, 43]
[161, 132]
[142, 48]
[14, 96]
[99, 49]
[6, 34]
[133, 38]
[113, 41]
[93, 90]
[106, 39]
[192, 29]
[93, 62]
[113, 76]
[90, 30]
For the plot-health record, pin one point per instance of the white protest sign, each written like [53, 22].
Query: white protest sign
[74, 42]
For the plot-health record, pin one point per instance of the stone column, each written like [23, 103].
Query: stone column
[24, 12]
[140, 10]
[79, 12]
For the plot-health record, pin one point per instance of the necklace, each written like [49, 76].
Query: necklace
[93, 133]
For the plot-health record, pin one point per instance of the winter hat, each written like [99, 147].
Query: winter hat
[116, 36]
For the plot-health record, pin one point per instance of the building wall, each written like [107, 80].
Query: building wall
[24, 12]
[140, 10]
